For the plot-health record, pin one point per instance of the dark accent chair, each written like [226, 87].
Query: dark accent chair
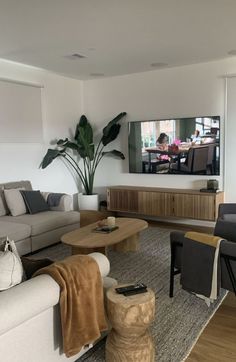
[225, 228]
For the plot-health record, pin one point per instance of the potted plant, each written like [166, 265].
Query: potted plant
[84, 156]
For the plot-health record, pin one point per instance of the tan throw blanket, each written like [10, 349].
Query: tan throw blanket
[199, 271]
[81, 300]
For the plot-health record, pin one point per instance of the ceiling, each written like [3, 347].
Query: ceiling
[116, 36]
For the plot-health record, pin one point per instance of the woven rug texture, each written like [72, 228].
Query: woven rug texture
[179, 320]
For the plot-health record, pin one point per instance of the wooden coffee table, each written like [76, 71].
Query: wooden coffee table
[126, 238]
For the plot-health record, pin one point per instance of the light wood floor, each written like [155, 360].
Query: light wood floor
[218, 341]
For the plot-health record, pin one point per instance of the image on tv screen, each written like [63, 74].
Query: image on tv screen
[188, 146]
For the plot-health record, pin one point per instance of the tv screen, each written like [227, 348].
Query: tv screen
[188, 146]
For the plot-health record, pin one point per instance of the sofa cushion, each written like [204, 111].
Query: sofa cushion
[15, 202]
[45, 221]
[34, 201]
[14, 231]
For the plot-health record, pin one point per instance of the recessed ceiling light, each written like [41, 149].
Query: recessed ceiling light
[97, 74]
[232, 52]
[76, 56]
[159, 65]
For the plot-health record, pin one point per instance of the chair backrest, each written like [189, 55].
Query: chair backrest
[200, 157]
[189, 159]
[211, 151]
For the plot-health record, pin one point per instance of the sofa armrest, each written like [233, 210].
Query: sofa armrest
[65, 204]
[225, 229]
[34, 296]
[26, 300]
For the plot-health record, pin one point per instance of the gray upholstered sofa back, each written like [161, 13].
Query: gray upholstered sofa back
[17, 184]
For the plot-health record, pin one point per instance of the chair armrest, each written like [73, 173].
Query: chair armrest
[65, 204]
[227, 208]
[228, 248]
[225, 229]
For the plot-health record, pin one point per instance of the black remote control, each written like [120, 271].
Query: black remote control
[133, 292]
[132, 287]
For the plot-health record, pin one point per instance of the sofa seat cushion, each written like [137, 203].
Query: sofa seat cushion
[45, 221]
[15, 231]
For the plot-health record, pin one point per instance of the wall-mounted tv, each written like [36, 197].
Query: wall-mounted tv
[187, 146]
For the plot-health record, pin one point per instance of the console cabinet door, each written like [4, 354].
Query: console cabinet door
[189, 206]
[122, 200]
[155, 203]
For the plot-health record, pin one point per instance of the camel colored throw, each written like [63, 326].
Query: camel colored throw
[81, 301]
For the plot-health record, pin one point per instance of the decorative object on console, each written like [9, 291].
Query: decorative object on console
[212, 185]
[83, 145]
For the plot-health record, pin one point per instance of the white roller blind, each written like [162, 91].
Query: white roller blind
[20, 113]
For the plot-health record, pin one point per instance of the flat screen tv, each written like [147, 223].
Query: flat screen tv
[186, 146]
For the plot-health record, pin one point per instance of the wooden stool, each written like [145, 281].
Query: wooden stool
[130, 317]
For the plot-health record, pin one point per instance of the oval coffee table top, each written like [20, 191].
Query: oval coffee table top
[85, 237]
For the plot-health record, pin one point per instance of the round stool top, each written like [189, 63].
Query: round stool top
[135, 299]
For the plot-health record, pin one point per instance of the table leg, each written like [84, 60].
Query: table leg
[86, 251]
[129, 244]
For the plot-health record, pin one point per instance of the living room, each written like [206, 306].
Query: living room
[153, 60]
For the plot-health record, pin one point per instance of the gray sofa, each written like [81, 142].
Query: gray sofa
[33, 232]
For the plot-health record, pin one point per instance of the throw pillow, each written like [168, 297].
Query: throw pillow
[34, 201]
[32, 265]
[15, 201]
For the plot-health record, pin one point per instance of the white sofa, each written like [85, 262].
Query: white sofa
[30, 329]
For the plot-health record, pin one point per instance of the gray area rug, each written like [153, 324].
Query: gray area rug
[179, 320]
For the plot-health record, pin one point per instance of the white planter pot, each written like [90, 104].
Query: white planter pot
[88, 202]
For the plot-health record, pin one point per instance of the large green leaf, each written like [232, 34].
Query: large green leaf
[84, 138]
[112, 134]
[114, 153]
[68, 144]
[50, 156]
[85, 127]
[106, 129]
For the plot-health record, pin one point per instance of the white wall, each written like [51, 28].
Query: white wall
[176, 92]
[230, 151]
[62, 106]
